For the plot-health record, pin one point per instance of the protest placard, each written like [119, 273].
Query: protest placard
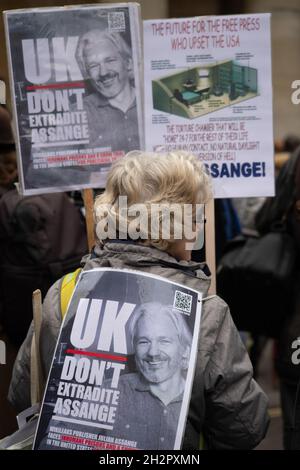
[122, 373]
[76, 88]
[208, 90]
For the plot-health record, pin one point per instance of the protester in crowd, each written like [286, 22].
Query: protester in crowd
[37, 244]
[8, 176]
[8, 163]
[246, 209]
[227, 406]
[286, 207]
[106, 62]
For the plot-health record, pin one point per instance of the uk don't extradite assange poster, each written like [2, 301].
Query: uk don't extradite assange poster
[123, 368]
[208, 90]
[76, 88]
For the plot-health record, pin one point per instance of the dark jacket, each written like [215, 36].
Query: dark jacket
[286, 206]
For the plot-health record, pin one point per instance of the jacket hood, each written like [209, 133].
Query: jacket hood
[127, 254]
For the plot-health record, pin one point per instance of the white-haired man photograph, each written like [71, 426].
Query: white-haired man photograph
[151, 398]
[106, 62]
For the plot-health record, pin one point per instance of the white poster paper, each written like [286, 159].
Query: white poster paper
[208, 90]
[122, 373]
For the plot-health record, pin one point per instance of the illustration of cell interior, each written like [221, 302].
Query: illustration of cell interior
[204, 89]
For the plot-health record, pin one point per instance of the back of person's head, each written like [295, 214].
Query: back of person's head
[153, 179]
[8, 163]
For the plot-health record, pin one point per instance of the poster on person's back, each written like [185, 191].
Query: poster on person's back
[208, 90]
[123, 368]
[76, 87]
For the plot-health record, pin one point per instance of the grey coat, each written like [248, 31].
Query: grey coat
[227, 405]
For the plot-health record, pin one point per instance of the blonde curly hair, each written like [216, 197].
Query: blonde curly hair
[154, 180]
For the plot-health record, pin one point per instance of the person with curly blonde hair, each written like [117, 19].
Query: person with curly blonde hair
[164, 187]
[227, 406]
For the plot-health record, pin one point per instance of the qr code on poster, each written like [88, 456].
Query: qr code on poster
[183, 302]
[116, 21]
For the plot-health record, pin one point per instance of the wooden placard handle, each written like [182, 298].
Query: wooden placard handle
[210, 249]
[88, 199]
[36, 373]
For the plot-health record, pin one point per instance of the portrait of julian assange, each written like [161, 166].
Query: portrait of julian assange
[151, 398]
[106, 63]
